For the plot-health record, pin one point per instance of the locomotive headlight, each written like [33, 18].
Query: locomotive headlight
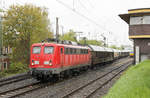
[50, 63]
[32, 62]
[36, 62]
[46, 62]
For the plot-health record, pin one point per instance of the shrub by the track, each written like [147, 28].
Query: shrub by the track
[135, 83]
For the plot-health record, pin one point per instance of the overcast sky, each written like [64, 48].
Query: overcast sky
[102, 13]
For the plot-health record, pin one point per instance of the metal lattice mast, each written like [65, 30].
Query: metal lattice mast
[1, 38]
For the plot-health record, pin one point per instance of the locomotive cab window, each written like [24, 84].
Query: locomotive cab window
[48, 49]
[36, 50]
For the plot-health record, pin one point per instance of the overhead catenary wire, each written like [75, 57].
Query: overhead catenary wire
[83, 5]
[90, 3]
[82, 15]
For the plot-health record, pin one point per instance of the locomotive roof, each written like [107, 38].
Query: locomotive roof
[91, 47]
[65, 45]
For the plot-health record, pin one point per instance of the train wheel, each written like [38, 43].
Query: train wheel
[68, 74]
[38, 78]
[55, 77]
[76, 72]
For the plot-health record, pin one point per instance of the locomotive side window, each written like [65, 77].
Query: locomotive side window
[36, 50]
[48, 49]
[82, 51]
[77, 51]
[74, 51]
[66, 50]
[61, 50]
[71, 50]
[86, 51]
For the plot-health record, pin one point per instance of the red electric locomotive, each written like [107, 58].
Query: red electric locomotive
[49, 59]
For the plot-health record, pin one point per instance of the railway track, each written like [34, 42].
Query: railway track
[20, 90]
[87, 90]
[63, 88]
[14, 79]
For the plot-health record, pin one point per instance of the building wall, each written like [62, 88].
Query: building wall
[143, 29]
[4, 63]
[139, 31]
[144, 46]
[4, 58]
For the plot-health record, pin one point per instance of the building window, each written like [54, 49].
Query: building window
[140, 20]
[10, 50]
[0, 66]
[146, 19]
[136, 20]
[5, 65]
[6, 50]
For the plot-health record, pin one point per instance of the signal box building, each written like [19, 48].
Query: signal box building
[139, 31]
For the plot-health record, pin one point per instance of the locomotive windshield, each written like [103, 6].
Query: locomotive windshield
[48, 49]
[36, 50]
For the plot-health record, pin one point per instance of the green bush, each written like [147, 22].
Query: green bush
[14, 68]
[2, 74]
[17, 68]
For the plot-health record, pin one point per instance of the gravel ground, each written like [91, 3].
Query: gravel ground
[14, 76]
[17, 84]
[83, 93]
[104, 90]
[59, 89]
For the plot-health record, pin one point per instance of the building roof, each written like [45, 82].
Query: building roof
[134, 12]
[139, 10]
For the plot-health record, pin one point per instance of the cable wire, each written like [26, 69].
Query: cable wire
[83, 5]
[82, 15]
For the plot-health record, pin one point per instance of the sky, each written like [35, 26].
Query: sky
[93, 18]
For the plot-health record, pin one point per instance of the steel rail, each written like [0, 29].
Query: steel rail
[12, 77]
[81, 87]
[116, 74]
[19, 88]
[15, 80]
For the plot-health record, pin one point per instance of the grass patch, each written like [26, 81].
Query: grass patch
[134, 83]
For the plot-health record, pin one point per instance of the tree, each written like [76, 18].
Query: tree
[24, 25]
[121, 47]
[115, 47]
[91, 42]
[69, 36]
